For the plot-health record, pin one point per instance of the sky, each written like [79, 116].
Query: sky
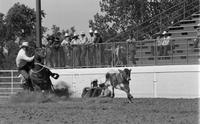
[63, 13]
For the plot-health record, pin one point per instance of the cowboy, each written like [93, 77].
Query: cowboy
[99, 47]
[91, 48]
[83, 42]
[24, 62]
[76, 49]
[132, 49]
[65, 44]
[165, 43]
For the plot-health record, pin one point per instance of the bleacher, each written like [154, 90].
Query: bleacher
[182, 40]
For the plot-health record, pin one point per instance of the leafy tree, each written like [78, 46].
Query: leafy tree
[122, 17]
[2, 27]
[55, 29]
[21, 20]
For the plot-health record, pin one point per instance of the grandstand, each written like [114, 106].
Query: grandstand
[182, 37]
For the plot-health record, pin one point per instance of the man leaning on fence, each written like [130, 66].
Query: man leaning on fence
[24, 63]
[132, 48]
[99, 48]
[65, 44]
[83, 42]
[91, 48]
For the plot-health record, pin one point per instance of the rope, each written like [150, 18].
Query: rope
[38, 70]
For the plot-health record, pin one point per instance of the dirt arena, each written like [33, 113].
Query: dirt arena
[99, 111]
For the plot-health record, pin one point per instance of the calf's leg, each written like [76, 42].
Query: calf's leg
[113, 92]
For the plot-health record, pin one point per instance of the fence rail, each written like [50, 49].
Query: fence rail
[9, 83]
[140, 53]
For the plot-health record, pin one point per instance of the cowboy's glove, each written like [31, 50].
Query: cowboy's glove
[55, 75]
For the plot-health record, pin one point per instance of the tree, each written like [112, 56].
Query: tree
[2, 27]
[21, 20]
[123, 17]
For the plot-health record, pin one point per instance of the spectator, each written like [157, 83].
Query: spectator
[99, 47]
[97, 37]
[83, 42]
[76, 49]
[65, 44]
[44, 41]
[91, 48]
[196, 40]
[120, 55]
[49, 51]
[132, 48]
[165, 43]
[56, 46]
[159, 41]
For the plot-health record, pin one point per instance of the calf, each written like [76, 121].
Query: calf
[119, 80]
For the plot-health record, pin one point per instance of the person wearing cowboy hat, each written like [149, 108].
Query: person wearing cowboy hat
[76, 49]
[166, 43]
[65, 44]
[24, 63]
[83, 46]
[99, 47]
[91, 48]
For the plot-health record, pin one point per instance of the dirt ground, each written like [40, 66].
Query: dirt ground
[101, 111]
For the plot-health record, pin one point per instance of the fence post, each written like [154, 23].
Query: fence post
[127, 54]
[184, 7]
[12, 81]
[155, 84]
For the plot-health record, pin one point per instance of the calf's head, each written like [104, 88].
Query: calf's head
[126, 74]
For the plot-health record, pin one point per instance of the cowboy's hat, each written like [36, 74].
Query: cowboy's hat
[96, 32]
[66, 35]
[90, 31]
[24, 44]
[82, 33]
[164, 32]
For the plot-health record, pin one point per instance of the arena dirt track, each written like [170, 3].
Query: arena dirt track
[102, 111]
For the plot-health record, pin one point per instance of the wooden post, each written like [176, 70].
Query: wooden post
[38, 23]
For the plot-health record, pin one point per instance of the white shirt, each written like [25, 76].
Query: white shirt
[90, 40]
[166, 41]
[65, 42]
[75, 42]
[83, 40]
[22, 58]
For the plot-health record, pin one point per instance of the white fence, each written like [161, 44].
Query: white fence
[150, 81]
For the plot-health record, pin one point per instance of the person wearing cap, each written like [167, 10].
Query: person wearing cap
[65, 45]
[196, 40]
[83, 42]
[24, 63]
[99, 47]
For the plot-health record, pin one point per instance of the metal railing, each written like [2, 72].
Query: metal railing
[9, 83]
[140, 53]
